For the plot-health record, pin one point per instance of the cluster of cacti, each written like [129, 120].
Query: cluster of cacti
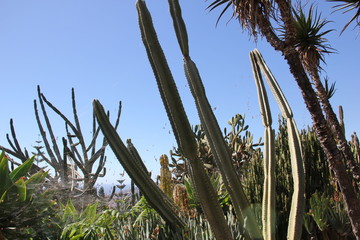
[222, 188]
[290, 205]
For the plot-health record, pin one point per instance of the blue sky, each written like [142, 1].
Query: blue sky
[95, 47]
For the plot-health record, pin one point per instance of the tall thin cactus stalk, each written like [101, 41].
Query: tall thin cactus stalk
[180, 124]
[268, 204]
[219, 148]
[137, 171]
[297, 164]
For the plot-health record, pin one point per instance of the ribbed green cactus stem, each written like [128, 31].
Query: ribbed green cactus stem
[219, 148]
[180, 125]
[221, 151]
[135, 154]
[136, 171]
[268, 204]
[297, 164]
[165, 176]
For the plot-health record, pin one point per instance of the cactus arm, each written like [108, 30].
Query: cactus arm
[180, 125]
[217, 144]
[164, 78]
[268, 204]
[297, 165]
[179, 26]
[135, 155]
[156, 198]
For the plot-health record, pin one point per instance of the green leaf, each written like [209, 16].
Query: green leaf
[5, 180]
[37, 177]
[21, 188]
[22, 170]
[70, 213]
[89, 214]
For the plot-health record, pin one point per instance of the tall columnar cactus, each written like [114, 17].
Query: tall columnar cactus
[219, 148]
[165, 176]
[137, 171]
[180, 124]
[297, 165]
[268, 205]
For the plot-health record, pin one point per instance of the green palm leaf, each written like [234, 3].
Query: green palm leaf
[310, 39]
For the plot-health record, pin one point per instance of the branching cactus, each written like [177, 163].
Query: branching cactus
[297, 164]
[76, 154]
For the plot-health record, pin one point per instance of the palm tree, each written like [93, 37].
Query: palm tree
[301, 42]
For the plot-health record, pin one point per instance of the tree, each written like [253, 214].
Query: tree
[301, 42]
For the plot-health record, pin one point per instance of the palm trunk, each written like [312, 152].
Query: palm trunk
[334, 156]
[323, 132]
[334, 124]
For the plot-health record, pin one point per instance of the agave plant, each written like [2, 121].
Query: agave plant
[17, 181]
[88, 224]
[26, 210]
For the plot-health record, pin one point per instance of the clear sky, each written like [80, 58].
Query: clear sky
[96, 48]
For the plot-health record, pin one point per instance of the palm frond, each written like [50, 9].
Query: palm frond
[310, 41]
[330, 90]
[218, 3]
[249, 12]
[347, 6]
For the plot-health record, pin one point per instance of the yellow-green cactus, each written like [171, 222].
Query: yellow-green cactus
[165, 176]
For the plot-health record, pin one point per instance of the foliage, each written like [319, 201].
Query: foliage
[89, 224]
[26, 210]
[310, 41]
[347, 6]
[278, 23]
[208, 164]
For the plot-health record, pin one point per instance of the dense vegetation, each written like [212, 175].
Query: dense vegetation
[216, 184]
[44, 214]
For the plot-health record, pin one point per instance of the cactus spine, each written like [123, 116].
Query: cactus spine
[297, 165]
